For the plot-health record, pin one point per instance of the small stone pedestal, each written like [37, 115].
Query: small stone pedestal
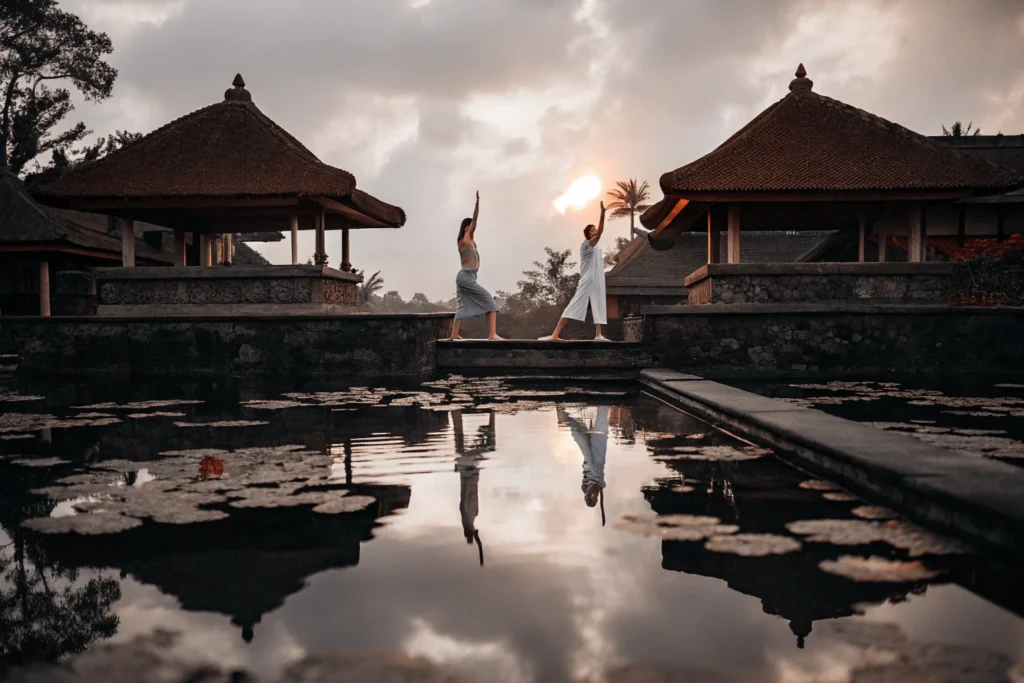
[226, 291]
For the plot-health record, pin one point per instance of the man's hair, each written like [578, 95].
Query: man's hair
[586, 229]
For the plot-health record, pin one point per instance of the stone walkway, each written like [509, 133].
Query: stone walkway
[973, 498]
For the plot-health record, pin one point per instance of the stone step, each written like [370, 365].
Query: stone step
[529, 354]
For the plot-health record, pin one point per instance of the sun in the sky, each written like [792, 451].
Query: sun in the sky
[580, 192]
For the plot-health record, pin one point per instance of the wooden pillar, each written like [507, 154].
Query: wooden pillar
[883, 237]
[128, 243]
[320, 258]
[346, 263]
[44, 288]
[180, 257]
[295, 240]
[228, 242]
[717, 222]
[961, 226]
[916, 234]
[1000, 222]
[861, 235]
[733, 248]
[205, 245]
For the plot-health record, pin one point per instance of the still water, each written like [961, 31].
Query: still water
[461, 530]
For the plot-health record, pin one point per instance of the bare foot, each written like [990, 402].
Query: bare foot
[455, 338]
[495, 338]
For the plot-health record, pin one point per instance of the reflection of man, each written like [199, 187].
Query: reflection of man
[466, 464]
[593, 442]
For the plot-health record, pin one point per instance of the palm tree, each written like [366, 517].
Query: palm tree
[957, 130]
[370, 287]
[630, 199]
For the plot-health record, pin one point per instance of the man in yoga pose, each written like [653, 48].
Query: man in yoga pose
[472, 299]
[590, 290]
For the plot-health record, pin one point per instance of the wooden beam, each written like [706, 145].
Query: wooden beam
[861, 235]
[44, 288]
[346, 263]
[733, 248]
[320, 257]
[718, 220]
[829, 196]
[180, 252]
[349, 211]
[295, 239]
[915, 234]
[205, 256]
[667, 220]
[961, 225]
[127, 243]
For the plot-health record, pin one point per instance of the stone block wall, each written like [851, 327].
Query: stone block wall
[355, 345]
[833, 337]
[225, 286]
[818, 282]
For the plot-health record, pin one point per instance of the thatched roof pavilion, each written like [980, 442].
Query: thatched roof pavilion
[809, 162]
[226, 168]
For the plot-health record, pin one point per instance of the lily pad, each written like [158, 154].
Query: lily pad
[87, 525]
[878, 569]
[752, 545]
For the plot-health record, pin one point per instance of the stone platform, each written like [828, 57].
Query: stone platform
[226, 291]
[523, 354]
[973, 498]
[741, 283]
[294, 346]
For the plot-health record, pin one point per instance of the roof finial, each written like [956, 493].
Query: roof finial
[801, 82]
[238, 92]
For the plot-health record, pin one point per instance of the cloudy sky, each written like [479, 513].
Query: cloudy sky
[426, 101]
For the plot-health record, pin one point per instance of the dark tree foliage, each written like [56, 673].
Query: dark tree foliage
[41, 45]
[62, 161]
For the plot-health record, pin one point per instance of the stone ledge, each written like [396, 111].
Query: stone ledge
[782, 269]
[839, 307]
[148, 319]
[223, 273]
[177, 311]
[970, 497]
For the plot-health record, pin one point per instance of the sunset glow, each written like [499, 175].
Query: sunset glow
[582, 191]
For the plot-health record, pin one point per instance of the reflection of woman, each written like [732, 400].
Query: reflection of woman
[593, 442]
[469, 475]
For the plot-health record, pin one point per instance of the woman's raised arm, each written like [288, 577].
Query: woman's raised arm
[600, 228]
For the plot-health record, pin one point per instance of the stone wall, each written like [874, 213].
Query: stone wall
[833, 337]
[297, 346]
[797, 282]
[124, 291]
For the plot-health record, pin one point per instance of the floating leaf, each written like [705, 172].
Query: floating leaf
[752, 545]
[878, 569]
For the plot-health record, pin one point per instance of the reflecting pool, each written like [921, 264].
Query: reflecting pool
[499, 529]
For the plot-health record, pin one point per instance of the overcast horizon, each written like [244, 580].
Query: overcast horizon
[427, 101]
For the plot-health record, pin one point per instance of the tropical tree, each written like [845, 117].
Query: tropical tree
[40, 44]
[958, 130]
[61, 161]
[611, 257]
[550, 284]
[370, 287]
[629, 199]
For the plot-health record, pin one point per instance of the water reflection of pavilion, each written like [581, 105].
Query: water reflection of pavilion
[761, 496]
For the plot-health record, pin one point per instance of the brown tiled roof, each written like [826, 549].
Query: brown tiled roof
[648, 268]
[809, 142]
[23, 221]
[226, 150]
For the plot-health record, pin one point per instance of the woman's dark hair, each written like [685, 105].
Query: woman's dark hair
[462, 230]
[588, 228]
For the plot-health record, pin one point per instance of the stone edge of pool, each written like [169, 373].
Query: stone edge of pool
[977, 499]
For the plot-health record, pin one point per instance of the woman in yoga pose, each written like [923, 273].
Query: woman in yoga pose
[590, 290]
[472, 299]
